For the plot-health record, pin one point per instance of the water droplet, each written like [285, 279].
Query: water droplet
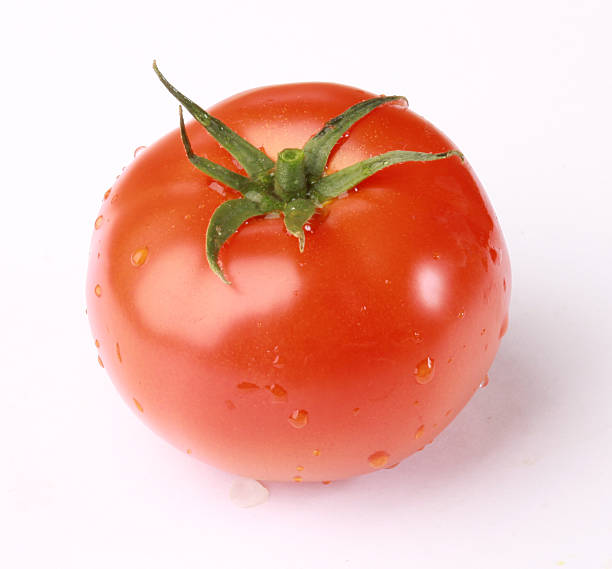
[230, 404]
[237, 164]
[299, 418]
[316, 452]
[219, 230]
[247, 385]
[100, 361]
[424, 371]
[356, 411]
[117, 349]
[138, 405]
[399, 103]
[448, 413]
[189, 451]
[279, 392]
[378, 459]
[394, 465]
[298, 479]
[299, 468]
[107, 193]
[436, 256]
[139, 256]
[326, 482]
[246, 493]
[461, 314]
[98, 290]
[99, 221]
[217, 187]
[139, 150]
[483, 331]
[97, 342]
[505, 285]
[504, 328]
[485, 381]
[493, 254]
[187, 217]
[114, 198]
[419, 432]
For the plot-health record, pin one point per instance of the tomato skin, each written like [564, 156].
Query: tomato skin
[321, 365]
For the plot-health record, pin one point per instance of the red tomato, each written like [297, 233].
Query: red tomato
[316, 365]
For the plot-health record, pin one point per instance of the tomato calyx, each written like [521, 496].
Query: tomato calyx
[295, 185]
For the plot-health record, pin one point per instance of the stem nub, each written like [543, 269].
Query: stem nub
[290, 177]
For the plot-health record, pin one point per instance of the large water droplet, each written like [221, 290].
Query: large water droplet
[139, 256]
[98, 290]
[378, 459]
[299, 418]
[99, 221]
[424, 371]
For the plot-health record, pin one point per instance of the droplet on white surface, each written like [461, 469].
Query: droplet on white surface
[247, 492]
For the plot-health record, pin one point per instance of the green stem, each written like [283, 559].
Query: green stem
[290, 178]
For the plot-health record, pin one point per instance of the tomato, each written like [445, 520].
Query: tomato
[313, 365]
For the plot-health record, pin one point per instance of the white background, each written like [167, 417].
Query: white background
[521, 479]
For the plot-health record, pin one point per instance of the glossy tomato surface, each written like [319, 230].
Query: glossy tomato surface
[311, 366]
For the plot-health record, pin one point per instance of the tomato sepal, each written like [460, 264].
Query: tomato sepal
[226, 220]
[296, 214]
[250, 158]
[334, 185]
[319, 147]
